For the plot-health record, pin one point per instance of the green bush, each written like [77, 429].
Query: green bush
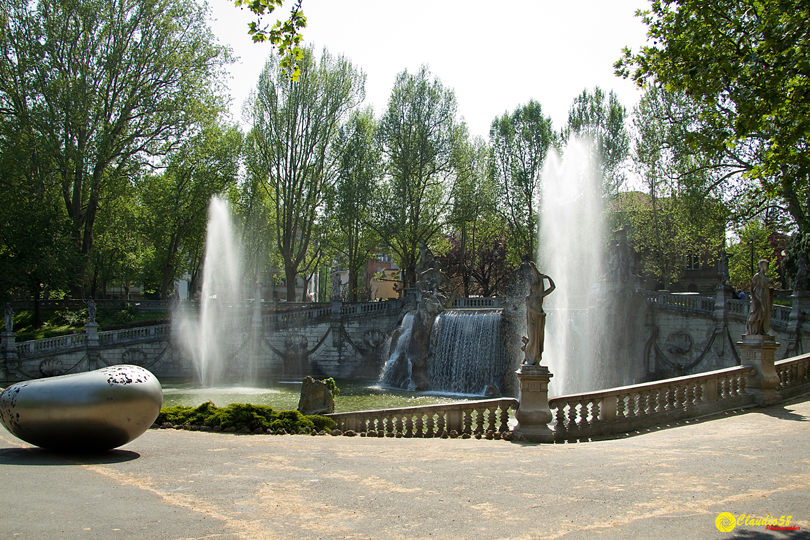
[332, 386]
[241, 415]
[70, 318]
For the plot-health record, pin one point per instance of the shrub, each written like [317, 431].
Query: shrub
[239, 415]
[332, 386]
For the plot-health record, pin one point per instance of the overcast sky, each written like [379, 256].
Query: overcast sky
[494, 55]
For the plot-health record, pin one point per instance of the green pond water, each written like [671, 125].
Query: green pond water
[353, 396]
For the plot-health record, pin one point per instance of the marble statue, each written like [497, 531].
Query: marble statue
[800, 283]
[91, 311]
[535, 316]
[9, 316]
[759, 318]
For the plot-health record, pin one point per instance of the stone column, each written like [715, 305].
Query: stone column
[759, 351]
[533, 414]
[335, 323]
[801, 304]
[9, 350]
[93, 347]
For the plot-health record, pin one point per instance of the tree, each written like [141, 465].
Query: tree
[754, 242]
[176, 201]
[682, 214]
[289, 148]
[349, 202]
[520, 144]
[747, 64]
[416, 134]
[478, 251]
[283, 34]
[601, 120]
[105, 86]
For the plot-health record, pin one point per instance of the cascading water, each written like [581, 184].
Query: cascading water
[205, 337]
[570, 251]
[467, 352]
[398, 369]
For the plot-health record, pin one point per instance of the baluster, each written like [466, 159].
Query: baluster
[735, 386]
[689, 396]
[409, 425]
[560, 427]
[594, 413]
[429, 432]
[660, 400]
[389, 425]
[491, 419]
[440, 424]
[679, 398]
[419, 426]
[670, 398]
[504, 418]
[741, 386]
[572, 416]
[468, 422]
[620, 407]
[630, 412]
[698, 393]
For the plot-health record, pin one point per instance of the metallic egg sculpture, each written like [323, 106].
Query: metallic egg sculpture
[83, 412]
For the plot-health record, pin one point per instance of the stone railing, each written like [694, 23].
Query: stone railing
[688, 303]
[780, 316]
[466, 417]
[369, 308]
[480, 302]
[134, 334]
[794, 376]
[47, 345]
[629, 408]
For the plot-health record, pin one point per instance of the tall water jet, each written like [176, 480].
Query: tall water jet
[206, 337]
[571, 244]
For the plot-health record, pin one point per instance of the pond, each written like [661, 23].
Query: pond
[354, 396]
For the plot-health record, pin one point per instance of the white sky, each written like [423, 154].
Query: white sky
[495, 55]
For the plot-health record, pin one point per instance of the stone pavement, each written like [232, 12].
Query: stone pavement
[667, 483]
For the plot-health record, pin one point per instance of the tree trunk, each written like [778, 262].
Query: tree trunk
[290, 275]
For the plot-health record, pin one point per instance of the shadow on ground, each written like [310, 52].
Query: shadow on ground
[40, 456]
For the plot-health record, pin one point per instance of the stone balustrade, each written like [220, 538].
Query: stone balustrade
[431, 420]
[794, 375]
[478, 302]
[134, 334]
[368, 308]
[47, 345]
[628, 408]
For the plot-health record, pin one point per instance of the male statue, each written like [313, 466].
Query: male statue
[759, 318]
[535, 316]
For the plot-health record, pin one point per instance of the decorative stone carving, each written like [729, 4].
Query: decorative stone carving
[374, 338]
[296, 344]
[91, 412]
[8, 314]
[535, 316]
[316, 398]
[759, 318]
[135, 357]
[679, 343]
[51, 367]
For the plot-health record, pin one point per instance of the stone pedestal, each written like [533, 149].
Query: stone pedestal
[93, 347]
[533, 414]
[759, 351]
[8, 350]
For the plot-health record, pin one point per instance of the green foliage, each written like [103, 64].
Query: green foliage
[417, 133]
[520, 143]
[69, 317]
[332, 386]
[746, 65]
[289, 149]
[240, 415]
[591, 115]
[283, 34]
[753, 245]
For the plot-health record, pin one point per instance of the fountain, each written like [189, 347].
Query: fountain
[571, 241]
[206, 336]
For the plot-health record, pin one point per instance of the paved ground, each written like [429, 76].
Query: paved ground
[669, 483]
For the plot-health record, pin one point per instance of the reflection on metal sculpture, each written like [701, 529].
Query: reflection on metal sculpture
[83, 412]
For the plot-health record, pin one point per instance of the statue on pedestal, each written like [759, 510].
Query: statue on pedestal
[9, 315]
[759, 318]
[535, 316]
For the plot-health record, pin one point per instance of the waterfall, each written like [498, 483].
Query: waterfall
[467, 352]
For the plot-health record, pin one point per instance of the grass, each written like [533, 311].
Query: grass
[60, 322]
